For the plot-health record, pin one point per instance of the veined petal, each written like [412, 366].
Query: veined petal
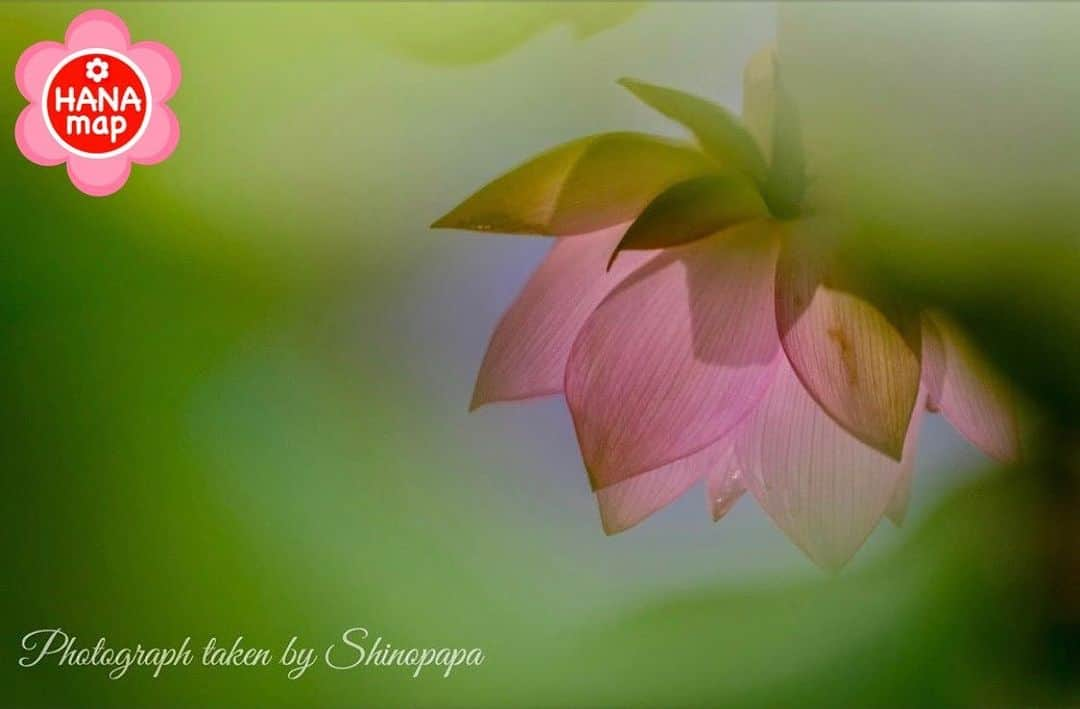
[859, 360]
[967, 391]
[692, 210]
[580, 187]
[626, 503]
[898, 503]
[528, 351]
[723, 484]
[719, 133]
[676, 355]
[823, 488]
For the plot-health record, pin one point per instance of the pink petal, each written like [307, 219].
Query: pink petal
[898, 503]
[34, 140]
[99, 178]
[967, 391]
[528, 351]
[724, 485]
[99, 29]
[933, 364]
[676, 355]
[821, 486]
[161, 67]
[34, 66]
[160, 138]
[859, 361]
[626, 503]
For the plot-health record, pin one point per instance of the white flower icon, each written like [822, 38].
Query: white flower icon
[97, 70]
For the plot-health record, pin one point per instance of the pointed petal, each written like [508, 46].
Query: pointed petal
[160, 138]
[528, 351]
[785, 186]
[34, 66]
[161, 67]
[99, 178]
[969, 393]
[626, 503]
[823, 488]
[898, 503]
[859, 360]
[759, 98]
[692, 210]
[772, 117]
[99, 29]
[579, 187]
[34, 140]
[675, 356]
[719, 133]
[724, 485]
[933, 364]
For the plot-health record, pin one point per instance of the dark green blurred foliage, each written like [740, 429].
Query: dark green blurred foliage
[949, 132]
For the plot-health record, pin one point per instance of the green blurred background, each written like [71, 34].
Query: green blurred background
[235, 391]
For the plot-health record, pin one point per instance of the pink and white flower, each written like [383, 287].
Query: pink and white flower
[728, 341]
[104, 38]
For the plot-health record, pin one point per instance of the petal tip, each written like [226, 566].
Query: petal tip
[81, 31]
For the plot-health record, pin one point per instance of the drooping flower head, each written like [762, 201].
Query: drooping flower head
[701, 321]
[131, 83]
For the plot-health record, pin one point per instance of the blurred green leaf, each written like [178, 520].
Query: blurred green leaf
[462, 33]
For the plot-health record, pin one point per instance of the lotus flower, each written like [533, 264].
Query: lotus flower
[701, 322]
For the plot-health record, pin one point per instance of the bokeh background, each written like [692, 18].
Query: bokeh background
[235, 392]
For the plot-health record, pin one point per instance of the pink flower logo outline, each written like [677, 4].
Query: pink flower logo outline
[157, 66]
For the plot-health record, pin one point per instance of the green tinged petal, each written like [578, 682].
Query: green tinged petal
[581, 186]
[720, 133]
[759, 99]
[692, 210]
[786, 184]
[771, 116]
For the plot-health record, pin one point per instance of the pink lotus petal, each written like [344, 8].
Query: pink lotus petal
[99, 178]
[898, 503]
[724, 485]
[967, 391]
[34, 140]
[160, 138]
[528, 351]
[99, 29]
[34, 66]
[676, 355]
[825, 489]
[624, 504]
[858, 361]
[161, 67]
[933, 364]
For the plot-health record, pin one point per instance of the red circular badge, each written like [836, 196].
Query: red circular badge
[96, 103]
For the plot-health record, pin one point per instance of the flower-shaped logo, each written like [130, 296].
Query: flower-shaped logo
[97, 103]
[97, 70]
